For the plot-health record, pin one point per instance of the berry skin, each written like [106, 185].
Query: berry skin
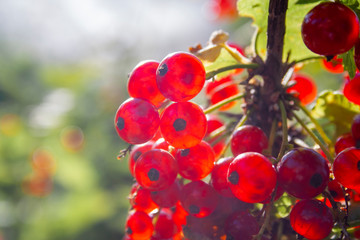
[195, 163]
[343, 142]
[352, 89]
[183, 125]
[346, 168]
[355, 130]
[142, 83]
[165, 227]
[311, 219]
[304, 88]
[139, 226]
[199, 199]
[220, 90]
[140, 199]
[251, 177]
[136, 121]
[248, 138]
[330, 29]
[241, 226]
[219, 177]
[180, 76]
[303, 173]
[136, 153]
[217, 143]
[168, 197]
[156, 170]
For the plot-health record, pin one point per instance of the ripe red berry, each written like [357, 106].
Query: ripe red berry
[140, 199]
[224, 8]
[183, 124]
[311, 219]
[199, 199]
[251, 177]
[352, 89]
[220, 90]
[330, 28]
[139, 225]
[156, 170]
[142, 83]
[241, 226]
[304, 88]
[334, 65]
[136, 121]
[218, 142]
[303, 173]
[195, 163]
[343, 142]
[180, 76]
[355, 130]
[136, 153]
[248, 138]
[168, 197]
[336, 190]
[219, 177]
[165, 227]
[346, 168]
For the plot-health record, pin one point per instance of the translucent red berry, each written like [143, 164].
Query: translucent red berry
[139, 225]
[197, 162]
[241, 226]
[217, 142]
[140, 199]
[248, 138]
[136, 152]
[180, 76]
[136, 121]
[343, 142]
[311, 219]
[199, 199]
[142, 83]
[219, 177]
[334, 65]
[352, 89]
[336, 190]
[183, 124]
[304, 88]
[346, 168]
[251, 177]
[221, 89]
[330, 28]
[156, 170]
[355, 130]
[303, 173]
[168, 197]
[165, 227]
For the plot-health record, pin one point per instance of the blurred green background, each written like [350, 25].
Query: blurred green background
[63, 73]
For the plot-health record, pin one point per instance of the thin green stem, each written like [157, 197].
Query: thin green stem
[314, 137]
[284, 142]
[231, 67]
[308, 59]
[223, 102]
[315, 122]
[272, 137]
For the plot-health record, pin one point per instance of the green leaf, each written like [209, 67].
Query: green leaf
[307, 1]
[349, 62]
[335, 107]
[283, 205]
[258, 11]
[223, 60]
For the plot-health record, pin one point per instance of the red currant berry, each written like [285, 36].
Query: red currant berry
[199, 199]
[330, 28]
[220, 90]
[334, 65]
[139, 225]
[156, 170]
[346, 168]
[219, 177]
[136, 153]
[303, 173]
[165, 226]
[241, 226]
[336, 190]
[217, 142]
[140, 199]
[343, 142]
[224, 8]
[136, 121]
[180, 76]
[357, 54]
[183, 124]
[142, 83]
[311, 219]
[248, 138]
[195, 163]
[251, 177]
[352, 89]
[168, 197]
[304, 88]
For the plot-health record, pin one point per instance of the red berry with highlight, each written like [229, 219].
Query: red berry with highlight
[139, 226]
[346, 168]
[304, 88]
[248, 138]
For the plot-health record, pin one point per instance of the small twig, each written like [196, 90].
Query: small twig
[125, 151]
[272, 136]
[284, 142]
[231, 67]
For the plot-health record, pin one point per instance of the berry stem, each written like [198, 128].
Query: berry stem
[315, 122]
[224, 102]
[314, 137]
[308, 59]
[284, 142]
[212, 74]
[271, 137]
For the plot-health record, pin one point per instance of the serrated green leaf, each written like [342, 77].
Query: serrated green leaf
[307, 1]
[223, 60]
[258, 11]
[337, 109]
[349, 62]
